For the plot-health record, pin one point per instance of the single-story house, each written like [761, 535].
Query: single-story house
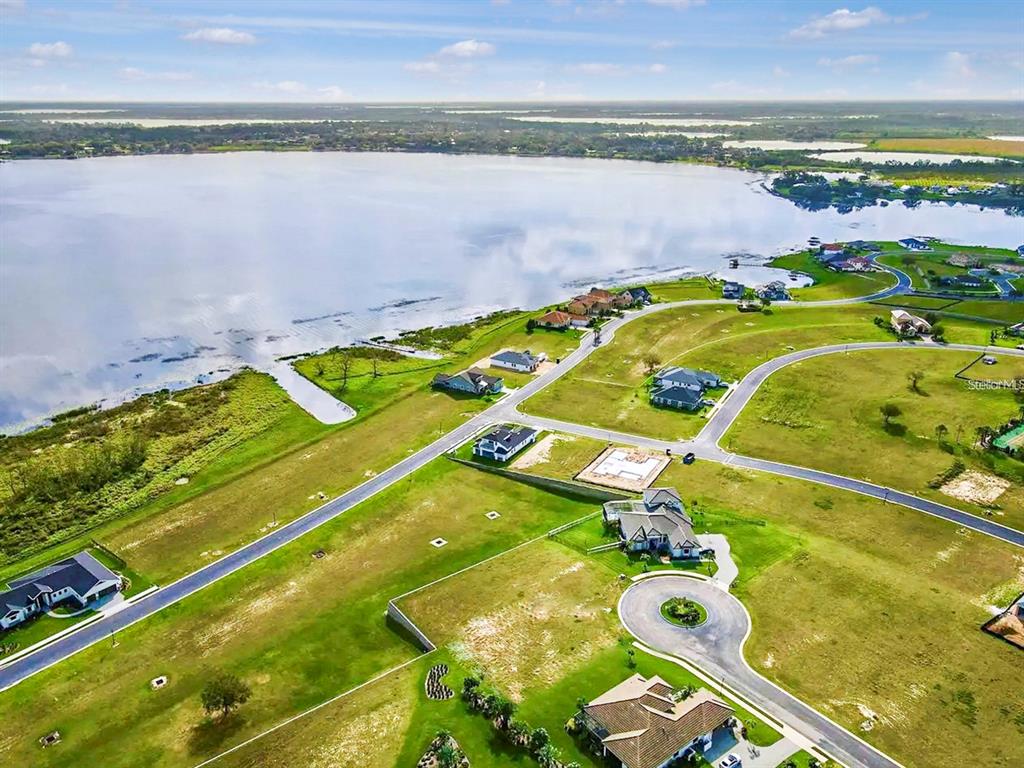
[559, 319]
[864, 245]
[853, 264]
[599, 301]
[504, 442]
[914, 244]
[81, 580]
[472, 380]
[773, 291]
[518, 361]
[906, 324]
[640, 295]
[656, 523]
[644, 723]
[962, 281]
[731, 290]
[1016, 330]
[688, 378]
[678, 397]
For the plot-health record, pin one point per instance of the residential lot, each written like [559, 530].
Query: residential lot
[298, 628]
[825, 413]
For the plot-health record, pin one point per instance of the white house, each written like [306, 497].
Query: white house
[906, 324]
[502, 443]
[914, 244]
[81, 580]
[524, 362]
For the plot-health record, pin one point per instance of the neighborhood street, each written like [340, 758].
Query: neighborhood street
[716, 647]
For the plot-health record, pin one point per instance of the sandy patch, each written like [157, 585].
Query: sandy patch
[567, 570]
[544, 367]
[976, 487]
[352, 745]
[769, 661]
[250, 612]
[540, 453]
[625, 468]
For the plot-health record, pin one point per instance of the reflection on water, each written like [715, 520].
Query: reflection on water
[124, 274]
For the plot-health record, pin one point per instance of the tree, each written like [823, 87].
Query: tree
[223, 693]
[447, 756]
[531, 324]
[518, 731]
[711, 557]
[375, 361]
[941, 431]
[915, 378]
[319, 367]
[346, 366]
[538, 739]
[765, 302]
[504, 709]
[546, 755]
[651, 362]
[889, 412]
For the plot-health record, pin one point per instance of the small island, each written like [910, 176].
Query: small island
[684, 612]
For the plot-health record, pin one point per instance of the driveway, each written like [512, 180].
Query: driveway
[716, 647]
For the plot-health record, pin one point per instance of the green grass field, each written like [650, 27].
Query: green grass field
[687, 289]
[828, 284]
[300, 629]
[824, 413]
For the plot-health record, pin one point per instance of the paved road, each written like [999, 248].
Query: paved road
[717, 648]
[15, 671]
[706, 444]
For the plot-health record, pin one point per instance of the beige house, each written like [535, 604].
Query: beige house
[906, 324]
[644, 723]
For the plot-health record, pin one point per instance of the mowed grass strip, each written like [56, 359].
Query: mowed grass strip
[975, 146]
[824, 413]
[298, 628]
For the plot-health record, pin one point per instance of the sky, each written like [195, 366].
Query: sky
[509, 50]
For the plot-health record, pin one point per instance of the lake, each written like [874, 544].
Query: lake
[121, 275]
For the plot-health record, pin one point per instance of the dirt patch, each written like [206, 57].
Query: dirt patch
[976, 487]
[541, 452]
[347, 747]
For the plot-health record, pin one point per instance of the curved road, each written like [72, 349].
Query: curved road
[14, 671]
[717, 648]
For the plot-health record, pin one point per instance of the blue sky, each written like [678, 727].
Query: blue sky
[222, 50]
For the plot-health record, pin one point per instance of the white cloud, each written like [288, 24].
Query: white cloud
[134, 73]
[12, 6]
[848, 63]
[429, 67]
[300, 91]
[220, 36]
[468, 49]
[778, 71]
[958, 64]
[58, 50]
[657, 69]
[663, 45]
[841, 20]
[594, 68]
[677, 4]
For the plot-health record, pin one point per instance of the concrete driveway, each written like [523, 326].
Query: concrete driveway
[717, 648]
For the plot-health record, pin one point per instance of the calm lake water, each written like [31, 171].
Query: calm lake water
[121, 275]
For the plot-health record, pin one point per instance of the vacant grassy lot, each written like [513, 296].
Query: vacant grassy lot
[824, 413]
[62, 482]
[992, 147]
[686, 289]
[828, 284]
[299, 629]
[607, 390]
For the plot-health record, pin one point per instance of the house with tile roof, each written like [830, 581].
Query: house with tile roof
[81, 580]
[656, 523]
[644, 723]
[559, 319]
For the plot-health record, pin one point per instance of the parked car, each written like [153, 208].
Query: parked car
[732, 760]
[689, 458]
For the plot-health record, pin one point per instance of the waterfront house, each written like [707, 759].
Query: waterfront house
[773, 291]
[561, 320]
[472, 381]
[831, 250]
[524, 362]
[656, 523]
[906, 324]
[640, 295]
[914, 244]
[504, 442]
[80, 581]
[962, 282]
[731, 290]
[1016, 330]
[644, 723]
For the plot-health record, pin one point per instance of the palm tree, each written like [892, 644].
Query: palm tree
[547, 755]
[518, 731]
[504, 710]
[711, 558]
[447, 755]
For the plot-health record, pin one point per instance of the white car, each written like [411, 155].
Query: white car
[732, 760]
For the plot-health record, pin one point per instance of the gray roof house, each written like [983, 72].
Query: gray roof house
[640, 294]
[656, 523]
[504, 442]
[773, 291]
[689, 378]
[81, 579]
[678, 397]
[473, 380]
[517, 361]
[731, 290]
[914, 244]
